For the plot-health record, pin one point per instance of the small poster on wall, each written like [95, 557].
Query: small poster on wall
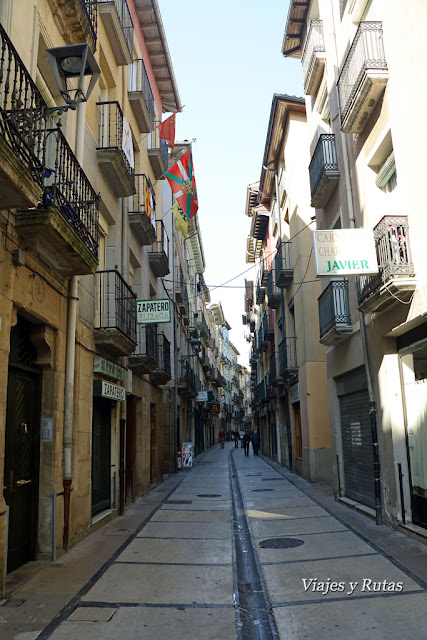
[187, 454]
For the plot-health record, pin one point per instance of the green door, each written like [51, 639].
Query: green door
[101, 455]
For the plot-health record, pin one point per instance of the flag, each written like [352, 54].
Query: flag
[181, 223]
[148, 201]
[167, 130]
[183, 184]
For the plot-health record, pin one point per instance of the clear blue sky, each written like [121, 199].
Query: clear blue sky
[228, 64]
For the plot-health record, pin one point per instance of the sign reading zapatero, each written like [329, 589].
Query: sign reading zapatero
[153, 311]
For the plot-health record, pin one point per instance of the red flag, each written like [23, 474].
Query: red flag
[167, 129]
[183, 184]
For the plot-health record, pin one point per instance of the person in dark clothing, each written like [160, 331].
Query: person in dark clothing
[255, 442]
[246, 441]
[236, 439]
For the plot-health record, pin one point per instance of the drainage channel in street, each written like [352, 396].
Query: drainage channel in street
[254, 618]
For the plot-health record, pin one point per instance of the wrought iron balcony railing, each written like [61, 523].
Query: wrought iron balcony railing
[363, 77]
[142, 211]
[158, 254]
[116, 163]
[115, 304]
[313, 57]
[90, 10]
[157, 152]
[396, 273]
[288, 357]
[334, 313]
[125, 21]
[162, 374]
[283, 265]
[268, 325]
[273, 291]
[29, 134]
[273, 368]
[323, 169]
[141, 95]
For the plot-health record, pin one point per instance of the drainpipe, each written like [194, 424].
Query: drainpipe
[70, 352]
[372, 403]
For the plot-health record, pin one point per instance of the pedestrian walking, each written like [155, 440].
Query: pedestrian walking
[255, 442]
[246, 441]
[222, 438]
[236, 439]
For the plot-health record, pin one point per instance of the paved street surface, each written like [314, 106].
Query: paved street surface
[235, 548]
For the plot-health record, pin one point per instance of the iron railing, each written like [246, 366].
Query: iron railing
[324, 159]
[115, 304]
[366, 52]
[138, 201]
[147, 341]
[67, 188]
[164, 351]
[90, 11]
[186, 374]
[110, 130]
[333, 307]
[394, 256]
[156, 143]
[28, 131]
[125, 21]
[268, 324]
[282, 260]
[161, 245]
[23, 112]
[287, 356]
[313, 44]
[139, 82]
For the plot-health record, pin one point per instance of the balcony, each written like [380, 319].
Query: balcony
[283, 265]
[116, 165]
[145, 359]
[157, 153]
[77, 20]
[118, 25]
[363, 77]
[275, 378]
[187, 380]
[324, 172]
[181, 295]
[142, 212]
[63, 230]
[313, 58]
[158, 254]
[274, 295]
[262, 341]
[268, 325]
[288, 366]
[334, 314]
[162, 374]
[141, 96]
[115, 321]
[396, 275]
[260, 293]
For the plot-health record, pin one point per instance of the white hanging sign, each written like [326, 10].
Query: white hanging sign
[344, 252]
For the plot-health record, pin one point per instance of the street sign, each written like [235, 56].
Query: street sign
[104, 389]
[344, 252]
[153, 311]
[202, 396]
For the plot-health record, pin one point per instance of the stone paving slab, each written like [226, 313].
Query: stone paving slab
[285, 583]
[186, 530]
[150, 623]
[184, 551]
[294, 527]
[319, 545]
[156, 584]
[274, 502]
[190, 516]
[285, 513]
[357, 619]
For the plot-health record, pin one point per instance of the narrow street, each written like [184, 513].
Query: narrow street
[236, 547]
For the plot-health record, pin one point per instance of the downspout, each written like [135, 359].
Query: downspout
[71, 352]
[175, 355]
[372, 403]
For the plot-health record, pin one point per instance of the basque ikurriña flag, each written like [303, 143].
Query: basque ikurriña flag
[183, 184]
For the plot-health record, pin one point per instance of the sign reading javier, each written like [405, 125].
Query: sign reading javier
[153, 311]
[344, 252]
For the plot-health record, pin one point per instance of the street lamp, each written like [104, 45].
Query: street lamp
[70, 65]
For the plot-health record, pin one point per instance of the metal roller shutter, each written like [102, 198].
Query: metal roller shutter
[357, 448]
